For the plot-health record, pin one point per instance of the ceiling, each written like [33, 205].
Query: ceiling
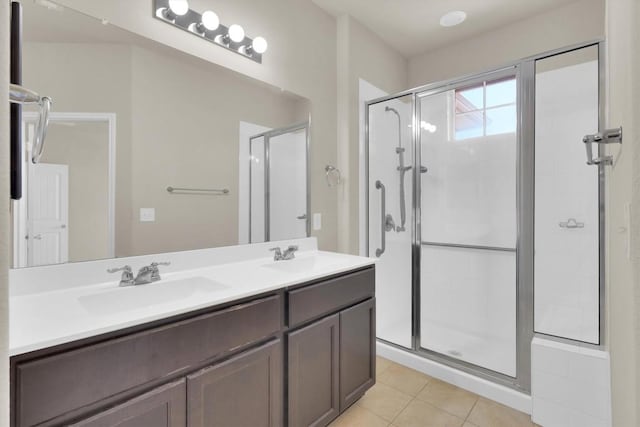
[413, 27]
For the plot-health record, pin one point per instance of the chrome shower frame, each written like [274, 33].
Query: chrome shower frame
[306, 126]
[524, 71]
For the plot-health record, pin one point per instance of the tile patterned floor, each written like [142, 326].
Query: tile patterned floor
[403, 397]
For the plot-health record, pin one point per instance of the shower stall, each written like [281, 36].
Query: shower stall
[478, 196]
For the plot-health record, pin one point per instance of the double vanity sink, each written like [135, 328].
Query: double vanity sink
[246, 342]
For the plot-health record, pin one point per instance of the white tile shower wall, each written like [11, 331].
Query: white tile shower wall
[566, 260]
[393, 270]
[570, 385]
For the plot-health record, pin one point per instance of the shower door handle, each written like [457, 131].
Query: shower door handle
[383, 208]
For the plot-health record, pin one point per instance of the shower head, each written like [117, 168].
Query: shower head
[387, 108]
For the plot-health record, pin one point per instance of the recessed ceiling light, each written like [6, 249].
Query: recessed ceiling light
[453, 18]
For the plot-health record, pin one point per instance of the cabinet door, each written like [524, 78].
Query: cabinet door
[313, 373]
[162, 407]
[243, 391]
[357, 351]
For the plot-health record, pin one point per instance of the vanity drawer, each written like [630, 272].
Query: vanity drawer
[313, 301]
[55, 385]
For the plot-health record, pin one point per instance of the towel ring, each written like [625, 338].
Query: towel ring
[332, 175]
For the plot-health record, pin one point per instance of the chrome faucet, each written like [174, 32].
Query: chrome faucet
[127, 275]
[289, 253]
[147, 274]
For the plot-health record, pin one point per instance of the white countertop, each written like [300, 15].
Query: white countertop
[60, 315]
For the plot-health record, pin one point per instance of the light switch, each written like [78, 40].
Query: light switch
[317, 221]
[147, 214]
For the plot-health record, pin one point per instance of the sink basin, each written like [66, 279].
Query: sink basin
[123, 299]
[307, 264]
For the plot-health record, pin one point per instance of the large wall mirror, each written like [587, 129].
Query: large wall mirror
[151, 150]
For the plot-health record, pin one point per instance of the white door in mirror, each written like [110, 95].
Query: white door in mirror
[147, 214]
[48, 235]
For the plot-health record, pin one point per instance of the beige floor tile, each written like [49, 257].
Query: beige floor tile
[468, 424]
[404, 379]
[422, 414]
[491, 414]
[445, 396]
[357, 416]
[382, 364]
[385, 401]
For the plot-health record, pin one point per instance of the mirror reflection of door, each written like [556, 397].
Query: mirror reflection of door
[67, 212]
[48, 214]
[278, 164]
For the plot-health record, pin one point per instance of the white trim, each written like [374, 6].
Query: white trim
[496, 392]
[110, 118]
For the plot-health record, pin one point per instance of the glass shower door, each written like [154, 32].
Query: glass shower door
[278, 184]
[390, 195]
[467, 231]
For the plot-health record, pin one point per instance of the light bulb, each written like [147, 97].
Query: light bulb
[259, 45]
[179, 7]
[210, 20]
[236, 33]
[431, 128]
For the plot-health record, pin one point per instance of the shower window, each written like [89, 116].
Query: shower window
[488, 108]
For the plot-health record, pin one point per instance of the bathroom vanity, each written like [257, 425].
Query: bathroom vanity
[287, 351]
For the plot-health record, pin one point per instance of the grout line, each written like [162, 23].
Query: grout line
[472, 408]
[402, 410]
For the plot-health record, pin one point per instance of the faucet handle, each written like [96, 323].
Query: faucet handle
[156, 264]
[126, 269]
[277, 256]
[155, 272]
[292, 248]
[127, 275]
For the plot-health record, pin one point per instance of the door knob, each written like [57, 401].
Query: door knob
[303, 216]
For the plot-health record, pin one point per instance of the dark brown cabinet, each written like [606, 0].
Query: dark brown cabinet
[244, 391]
[331, 364]
[314, 373]
[357, 351]
[294, 357]
[162, 407]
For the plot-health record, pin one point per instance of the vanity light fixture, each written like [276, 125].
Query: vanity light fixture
[207, 26]
[174, 9]
[209, 21]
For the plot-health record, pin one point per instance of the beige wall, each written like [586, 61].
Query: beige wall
[185, 134]
[570, 24]
[361, 55]
[4, 213]
[623, 284]
[91, 78]
[301, 59]
[84, 148]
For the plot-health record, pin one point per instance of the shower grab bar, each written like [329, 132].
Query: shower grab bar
[571, 223]
[383, 208]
